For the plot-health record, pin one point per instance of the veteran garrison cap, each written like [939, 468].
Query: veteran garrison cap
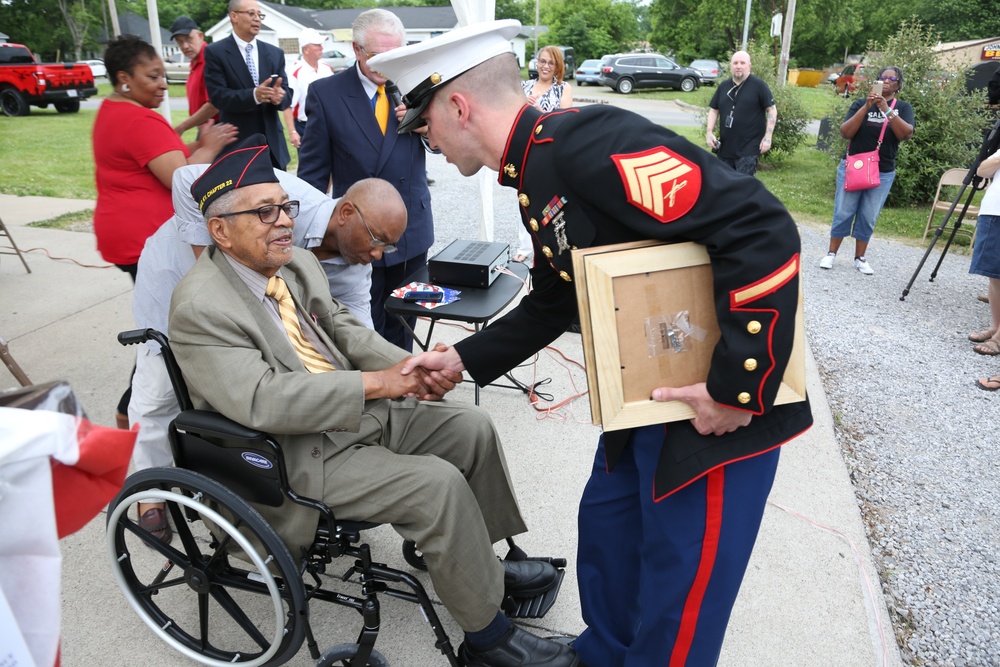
[249, 163]
[419, 69]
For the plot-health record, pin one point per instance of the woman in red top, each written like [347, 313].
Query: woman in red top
[136, 152]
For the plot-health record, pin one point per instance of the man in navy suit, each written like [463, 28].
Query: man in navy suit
[347, 142]
[246, 80]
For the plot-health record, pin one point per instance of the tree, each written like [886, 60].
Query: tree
[959, 20]
[592, 27]
[704, 28]
[522, 10]
[41, 26]
[78, 20]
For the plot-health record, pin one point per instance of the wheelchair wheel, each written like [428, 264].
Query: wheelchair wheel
[413, 556]
[342, 655]
[225, 590]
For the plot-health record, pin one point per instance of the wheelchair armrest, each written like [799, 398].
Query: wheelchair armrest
[217, 425]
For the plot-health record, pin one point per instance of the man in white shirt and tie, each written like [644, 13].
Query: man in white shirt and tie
[246, 80]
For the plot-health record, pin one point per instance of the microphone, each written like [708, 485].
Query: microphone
[393, 92]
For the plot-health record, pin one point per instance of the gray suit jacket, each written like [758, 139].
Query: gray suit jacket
[236, 361]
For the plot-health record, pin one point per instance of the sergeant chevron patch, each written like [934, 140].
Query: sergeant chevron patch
[660, 182]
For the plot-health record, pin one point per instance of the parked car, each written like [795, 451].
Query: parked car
[177, 68]
[97, 67]
[708, 69]
[850, 78]
[569, 62]
[625, 72]
[589, 71]
[25, 82]
[337, 61]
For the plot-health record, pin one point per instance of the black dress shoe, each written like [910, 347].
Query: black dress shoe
[528, 578]
[520, 649]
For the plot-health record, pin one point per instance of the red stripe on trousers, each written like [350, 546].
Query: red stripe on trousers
[709, 550]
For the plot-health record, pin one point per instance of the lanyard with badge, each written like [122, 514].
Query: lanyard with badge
[730, 94]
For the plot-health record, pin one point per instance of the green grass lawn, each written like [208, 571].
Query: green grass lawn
[49, 154]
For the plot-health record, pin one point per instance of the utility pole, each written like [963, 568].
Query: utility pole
[746, 26]
[786, 43]
[536, 24]
[114, 20]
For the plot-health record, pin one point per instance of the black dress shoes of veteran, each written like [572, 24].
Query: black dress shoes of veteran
[528, 578]
[519, 648]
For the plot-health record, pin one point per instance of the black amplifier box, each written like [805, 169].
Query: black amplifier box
[468, 263]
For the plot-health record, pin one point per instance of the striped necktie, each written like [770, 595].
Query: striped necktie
[382, 108]
[310, 356]
[251, 66]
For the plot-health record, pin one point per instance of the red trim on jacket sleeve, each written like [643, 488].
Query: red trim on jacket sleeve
[714, 497]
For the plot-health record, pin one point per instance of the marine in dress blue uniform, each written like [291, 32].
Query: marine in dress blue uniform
[669, 516]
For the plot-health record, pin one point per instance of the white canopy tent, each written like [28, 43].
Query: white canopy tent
[468, 12]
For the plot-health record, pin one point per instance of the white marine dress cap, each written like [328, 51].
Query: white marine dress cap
[419, 69]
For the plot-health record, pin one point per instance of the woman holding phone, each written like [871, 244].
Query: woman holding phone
[855, 213]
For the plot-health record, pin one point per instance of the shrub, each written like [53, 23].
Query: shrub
[790, 130]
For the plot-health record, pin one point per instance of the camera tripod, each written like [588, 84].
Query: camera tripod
[978, 183]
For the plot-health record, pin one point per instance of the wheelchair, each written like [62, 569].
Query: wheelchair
[226, 590]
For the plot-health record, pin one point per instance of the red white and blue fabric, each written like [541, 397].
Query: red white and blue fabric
[57, 472]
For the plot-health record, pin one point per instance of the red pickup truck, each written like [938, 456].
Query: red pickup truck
[24, 81]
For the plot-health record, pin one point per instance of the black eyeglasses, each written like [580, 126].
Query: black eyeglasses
[387, 248]
[888, 78]
[269, 213]
[251, 13]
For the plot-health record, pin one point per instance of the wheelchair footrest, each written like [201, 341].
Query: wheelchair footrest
[533, 607]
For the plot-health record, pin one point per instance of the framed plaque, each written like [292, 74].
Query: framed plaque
[648, 320]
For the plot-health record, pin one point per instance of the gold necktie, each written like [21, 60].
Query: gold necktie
[382, 108]
[310, 356]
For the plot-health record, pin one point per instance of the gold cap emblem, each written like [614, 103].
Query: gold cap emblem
[510, 170]
[753, 327]
[435, 78]
[565, 276]
[533, 224]
[743, 397]
[750, 364]
[523, 200]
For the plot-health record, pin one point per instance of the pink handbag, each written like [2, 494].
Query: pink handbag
[862, 168]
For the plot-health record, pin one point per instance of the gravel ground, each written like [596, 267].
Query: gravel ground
[912, 425]
[914, 428]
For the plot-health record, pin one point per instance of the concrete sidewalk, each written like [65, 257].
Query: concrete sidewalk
[811, 595]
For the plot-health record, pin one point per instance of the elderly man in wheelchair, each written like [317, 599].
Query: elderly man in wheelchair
[261, 343]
